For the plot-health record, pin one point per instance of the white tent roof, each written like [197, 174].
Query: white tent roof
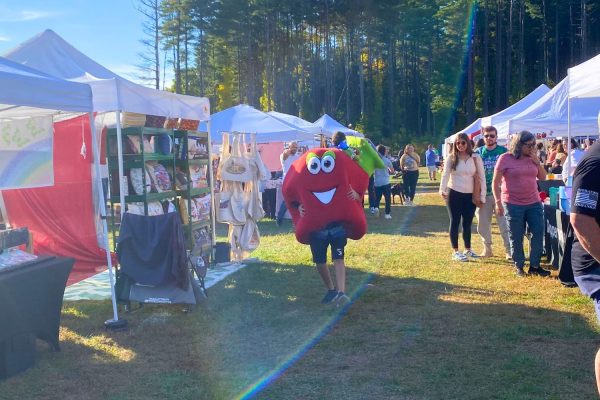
[584, 79]
[50, 53]
[549, 115]
[296, 121]
[500, 119]
[246, 119]
[27, 92]
[329, 126]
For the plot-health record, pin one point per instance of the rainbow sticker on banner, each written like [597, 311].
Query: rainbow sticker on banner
[26, 152]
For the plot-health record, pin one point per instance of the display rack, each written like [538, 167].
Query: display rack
[186, 159]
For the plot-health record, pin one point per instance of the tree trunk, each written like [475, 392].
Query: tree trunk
[583, 31]
[522, 46]
[545, 42]
[498, 101]
[508, 56]
[486, 62]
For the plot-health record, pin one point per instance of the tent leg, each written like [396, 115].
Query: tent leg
[114, 323]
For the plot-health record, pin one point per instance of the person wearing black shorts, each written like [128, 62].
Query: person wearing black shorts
[333, 236]
[585, 219]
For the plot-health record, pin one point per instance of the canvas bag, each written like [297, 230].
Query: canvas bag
[250, 237]
[223, 204]
[259, 170]
[254, 199]
[235, 166]
[238, 203]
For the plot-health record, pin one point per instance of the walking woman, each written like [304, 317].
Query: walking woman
[516, 195]
[409, 164]
[463, 188]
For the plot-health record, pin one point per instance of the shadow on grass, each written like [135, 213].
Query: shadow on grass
[401, 338]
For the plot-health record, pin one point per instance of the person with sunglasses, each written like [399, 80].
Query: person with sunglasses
[459, 189]
[490, 153]
[516, 193]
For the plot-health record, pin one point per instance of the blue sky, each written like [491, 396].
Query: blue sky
[108, 31]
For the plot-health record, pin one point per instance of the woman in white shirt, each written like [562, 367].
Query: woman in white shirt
[462, 177]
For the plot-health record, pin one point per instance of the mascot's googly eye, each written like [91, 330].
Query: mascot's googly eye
[313, 163]
[328, 162]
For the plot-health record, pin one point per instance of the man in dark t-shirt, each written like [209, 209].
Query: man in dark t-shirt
[585, 219]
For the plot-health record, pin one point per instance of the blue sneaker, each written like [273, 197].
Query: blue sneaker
[329, 296]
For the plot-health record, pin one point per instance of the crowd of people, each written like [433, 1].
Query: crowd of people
[486, 180]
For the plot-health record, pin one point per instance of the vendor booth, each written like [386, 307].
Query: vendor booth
[240, 127]
[31, 286]
[152, 135]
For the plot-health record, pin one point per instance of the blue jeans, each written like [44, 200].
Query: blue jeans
[282, 211]
[517, 218]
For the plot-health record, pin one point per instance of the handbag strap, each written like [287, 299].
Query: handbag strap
[225, 151]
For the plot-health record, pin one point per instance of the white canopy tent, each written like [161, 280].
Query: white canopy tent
[501, 118]
[51, 54]
[26, 92]
[584, 79]
[296, 121]
[584, 83]
[550, 115]
[247, 119]
[329, 126]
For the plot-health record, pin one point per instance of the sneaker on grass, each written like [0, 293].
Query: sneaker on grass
[469, 253]
[388, 216]
[458, 256]
[329, 296]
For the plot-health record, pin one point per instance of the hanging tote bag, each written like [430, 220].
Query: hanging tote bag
[259, 170]
[223, 204]
[254, 198]
[250, 237]
[238, 203]
[236, 167]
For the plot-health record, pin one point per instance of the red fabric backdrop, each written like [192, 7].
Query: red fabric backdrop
[61, 217]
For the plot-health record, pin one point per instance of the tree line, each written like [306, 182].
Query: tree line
[400, 70]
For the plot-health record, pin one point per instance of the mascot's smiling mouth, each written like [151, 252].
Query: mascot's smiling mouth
[325, 197]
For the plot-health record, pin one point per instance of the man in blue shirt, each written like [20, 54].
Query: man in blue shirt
[431, 158]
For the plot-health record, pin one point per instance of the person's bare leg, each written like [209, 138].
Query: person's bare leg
[340, 275]
[325, 275]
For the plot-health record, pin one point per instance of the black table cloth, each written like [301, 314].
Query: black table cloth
[31, 297]
[558, 240]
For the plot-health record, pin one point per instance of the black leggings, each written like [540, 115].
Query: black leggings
[460, 205]
[410, 179]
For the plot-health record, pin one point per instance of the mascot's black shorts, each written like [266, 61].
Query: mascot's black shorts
[333, 235]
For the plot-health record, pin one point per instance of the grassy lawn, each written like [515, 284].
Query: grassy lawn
[421, 327]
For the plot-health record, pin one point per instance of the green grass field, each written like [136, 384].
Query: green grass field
[420, 327]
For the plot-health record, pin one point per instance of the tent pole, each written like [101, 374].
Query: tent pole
[114, 323]
[211, 173]
[120, 161]
[569, 161]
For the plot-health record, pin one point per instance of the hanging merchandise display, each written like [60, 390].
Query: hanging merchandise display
[239, 201]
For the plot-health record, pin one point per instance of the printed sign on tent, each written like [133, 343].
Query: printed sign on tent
[26, 152]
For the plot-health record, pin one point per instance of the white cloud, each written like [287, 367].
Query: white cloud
[27, 15]
[4, 38]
